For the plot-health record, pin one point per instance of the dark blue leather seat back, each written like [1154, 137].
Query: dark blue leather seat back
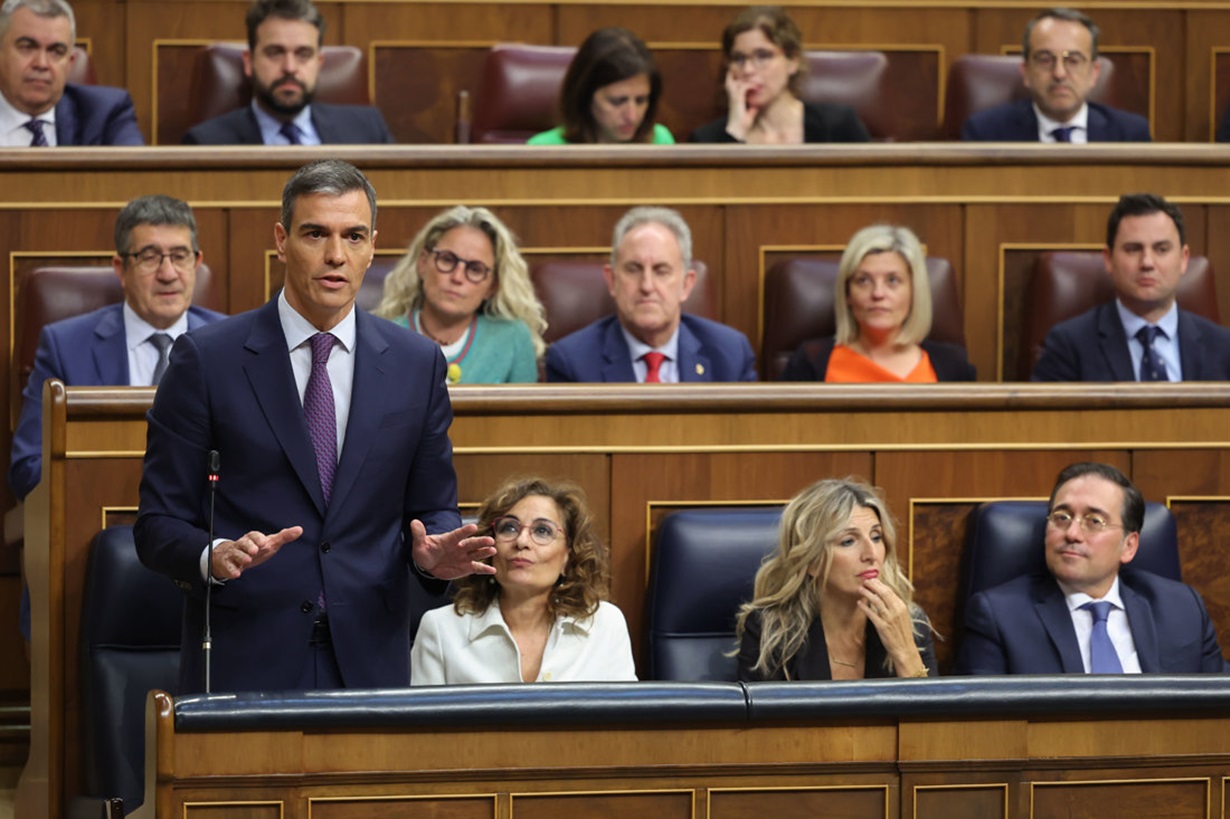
[1005, 540]
[704, 562]
[130, 631]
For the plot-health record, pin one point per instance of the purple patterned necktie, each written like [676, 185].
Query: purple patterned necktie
[35, 126]
[320, 414]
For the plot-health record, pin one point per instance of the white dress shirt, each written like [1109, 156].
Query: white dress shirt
[13, 130]
[1116, 626]
[1080, 122]
[142, 354]
[452, 649]
[668, 373]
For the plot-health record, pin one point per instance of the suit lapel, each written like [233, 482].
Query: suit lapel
[66, 123]
[1027, 120]
[616, 359]
[1052, 610]
[1191, 352]
[1112, 341]
[325, 126]
[111, 350]
[365, 412]
[693, 364]
[1144, 632]
[812, 661]
[273, 382]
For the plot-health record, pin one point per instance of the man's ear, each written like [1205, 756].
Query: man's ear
[247, 63]
[279, 241]
[1130, 544]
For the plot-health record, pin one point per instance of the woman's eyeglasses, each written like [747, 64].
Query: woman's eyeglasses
[542, 531]
[446, 262]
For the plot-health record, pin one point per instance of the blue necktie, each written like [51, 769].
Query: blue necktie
[1063, 134]
[292, 133]
[35, 127]
[1102, 656]
[1152, 368]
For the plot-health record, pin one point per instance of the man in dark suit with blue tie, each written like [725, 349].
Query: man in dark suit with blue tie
[1059, 68]
[331, 428]
[1085, 615]
[38, 107]
[649, 339]
[283, 63]
[156, 258]
[1141, 335]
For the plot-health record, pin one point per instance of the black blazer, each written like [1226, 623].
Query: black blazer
[1093, 347]
[1016, 122]
[822, 122]
[336, 124]
[811, 361]
[812, 661]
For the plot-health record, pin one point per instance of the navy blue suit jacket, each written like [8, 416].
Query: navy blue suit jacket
[90, 350]
[708, 351]
[336, 125]
[230, 388]
[96, 115]
[1024, 627]
[1016, 122]
[1093, 347]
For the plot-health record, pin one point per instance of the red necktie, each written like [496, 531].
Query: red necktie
[654, 362]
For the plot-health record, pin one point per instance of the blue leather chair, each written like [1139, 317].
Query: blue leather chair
[704, 562]
[1004, 540]
[130, 631]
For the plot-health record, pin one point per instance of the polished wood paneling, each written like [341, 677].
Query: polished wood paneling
[1159, 799]
[800, 803]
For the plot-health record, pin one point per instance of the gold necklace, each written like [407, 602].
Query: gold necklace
[842, 662]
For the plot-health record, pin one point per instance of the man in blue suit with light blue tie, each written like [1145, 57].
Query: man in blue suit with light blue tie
[337, 489]
[38, 107]
[1059, 68]
[649, 339]
[1085, 615]
[1140, 335]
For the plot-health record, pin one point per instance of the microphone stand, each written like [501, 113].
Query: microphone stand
[207, 639]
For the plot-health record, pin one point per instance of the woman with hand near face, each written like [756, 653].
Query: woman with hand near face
[543, 616]
[831, 602]
[610, 94]
[765, 68]
[882, 300]
[463, 284]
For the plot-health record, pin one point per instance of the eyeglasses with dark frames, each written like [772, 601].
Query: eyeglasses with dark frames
[446, 261]
[149, 259]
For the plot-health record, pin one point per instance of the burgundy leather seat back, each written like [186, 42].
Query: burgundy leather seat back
[1066, 283]
[798, 305]
[519, 93]
[854, 78]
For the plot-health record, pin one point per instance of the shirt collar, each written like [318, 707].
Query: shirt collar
[12, 119]
[1132, 323]
[137, 330]
[298, 329]
[1076, 599]
[1046, 124]
[272, 127]
[493, 620]
[638, 348]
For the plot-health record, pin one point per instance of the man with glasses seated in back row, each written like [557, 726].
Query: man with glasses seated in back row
[1083, 615]
[1060, 68]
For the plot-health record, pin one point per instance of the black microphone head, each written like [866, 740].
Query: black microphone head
[215, 461]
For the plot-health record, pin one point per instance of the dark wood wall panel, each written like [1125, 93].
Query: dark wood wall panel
[866, 803]
[1157, 799]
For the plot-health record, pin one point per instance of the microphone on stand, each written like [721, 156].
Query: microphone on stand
[207, 639]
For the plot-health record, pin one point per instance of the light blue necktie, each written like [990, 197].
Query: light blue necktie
[1102, 656]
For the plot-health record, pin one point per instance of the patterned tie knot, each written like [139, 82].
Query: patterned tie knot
[653, 360]
[1148, 334]
[1063, 134]
[1152, 368]
[35, 127]
[322, 345]
[1100, 609]
[292, 133]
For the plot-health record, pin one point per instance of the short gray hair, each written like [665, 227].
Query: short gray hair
[331, 176]
[667, 218]
[43, 8]
[155, 209]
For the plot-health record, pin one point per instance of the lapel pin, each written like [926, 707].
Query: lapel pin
[700, 369]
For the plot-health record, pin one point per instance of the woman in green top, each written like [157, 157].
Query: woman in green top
[610, 94]
[464, 285]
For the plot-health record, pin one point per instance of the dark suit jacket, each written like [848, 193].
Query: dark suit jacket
[1223, 127]
[83, 351]
[96, 115]
[811, 361]
[822, 122]
[1024, 627]
[230, 388]
[812, 660]
[1016, 122]
[1093, 347]
[336, 125]
[708, 351]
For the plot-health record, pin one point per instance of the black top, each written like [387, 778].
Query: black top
[822, 122]
[812, 660]
[811, 361]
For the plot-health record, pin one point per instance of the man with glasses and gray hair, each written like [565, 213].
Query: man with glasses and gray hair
[648, 339]
[1060, 68]
[1084, 615]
